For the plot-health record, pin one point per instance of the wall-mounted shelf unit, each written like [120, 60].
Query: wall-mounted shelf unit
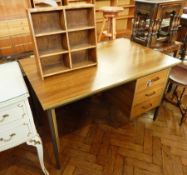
[64, 38]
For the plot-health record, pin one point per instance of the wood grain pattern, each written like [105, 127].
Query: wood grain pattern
[15, 35]
[90, 145]
[119, 62]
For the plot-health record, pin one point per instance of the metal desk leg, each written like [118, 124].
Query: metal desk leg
[54, 135]
[156, 113]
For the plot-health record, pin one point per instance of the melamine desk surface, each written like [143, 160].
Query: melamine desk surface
[119, 61]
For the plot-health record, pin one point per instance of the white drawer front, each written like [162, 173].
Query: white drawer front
[12, 112]
[16, 135]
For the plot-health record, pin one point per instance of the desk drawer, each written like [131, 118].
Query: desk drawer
[148, 94]
[145, 106]
[12, 113]
[14, 136]
[152, 80]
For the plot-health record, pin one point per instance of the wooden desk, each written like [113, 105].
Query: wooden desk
[119, 62]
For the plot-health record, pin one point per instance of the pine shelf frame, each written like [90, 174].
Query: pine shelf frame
[72, 2]
[39, 3]
[64, 38]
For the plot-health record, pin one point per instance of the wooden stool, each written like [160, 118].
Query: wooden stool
[178, 78]
[109, 14]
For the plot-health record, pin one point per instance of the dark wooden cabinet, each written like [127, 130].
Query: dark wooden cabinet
[156, 23]
[182, 36]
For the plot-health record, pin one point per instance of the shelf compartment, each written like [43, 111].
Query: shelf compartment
[50, 33]
[83, 39]
[81, 28]
[63, 35]
[80, 18]
[52, 45]
[55, 64]
[83, 58]
[47, 22]
[52, 52]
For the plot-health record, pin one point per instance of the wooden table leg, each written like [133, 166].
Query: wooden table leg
[54, 135]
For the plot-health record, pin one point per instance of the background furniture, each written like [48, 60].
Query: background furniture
[156, 24]
[15, 36]
[64, 38]
[109, 22]
[120, 62]
[182, 36]
[123, 20]
[178, 79]
[16, 122]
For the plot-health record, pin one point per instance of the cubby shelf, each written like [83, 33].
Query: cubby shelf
[83, 58]
[81, 28]
[54, 69]
[64, 38]
[49, 33]
[55, 64]
[83, 64]
[82, 47]
[48, 53]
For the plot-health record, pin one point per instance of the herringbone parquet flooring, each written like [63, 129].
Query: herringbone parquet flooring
[92, 143]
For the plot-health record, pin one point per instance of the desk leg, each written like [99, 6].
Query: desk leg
[156, 113]
[54, 135]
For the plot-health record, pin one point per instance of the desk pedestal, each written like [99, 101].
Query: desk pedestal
[141, 95]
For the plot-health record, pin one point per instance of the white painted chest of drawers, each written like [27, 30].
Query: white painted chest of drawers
[16, 121]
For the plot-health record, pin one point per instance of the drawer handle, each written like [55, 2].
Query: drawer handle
[149, 82]
[9, 139]
[147, 107]
[4, 117]
[20, 105]
[155, 79]
[151, 94]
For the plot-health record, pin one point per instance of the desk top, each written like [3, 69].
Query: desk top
[119, 61]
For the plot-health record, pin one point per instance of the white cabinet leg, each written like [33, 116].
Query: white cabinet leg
[36, 141]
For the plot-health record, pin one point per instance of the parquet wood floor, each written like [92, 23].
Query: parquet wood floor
[92, 143]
